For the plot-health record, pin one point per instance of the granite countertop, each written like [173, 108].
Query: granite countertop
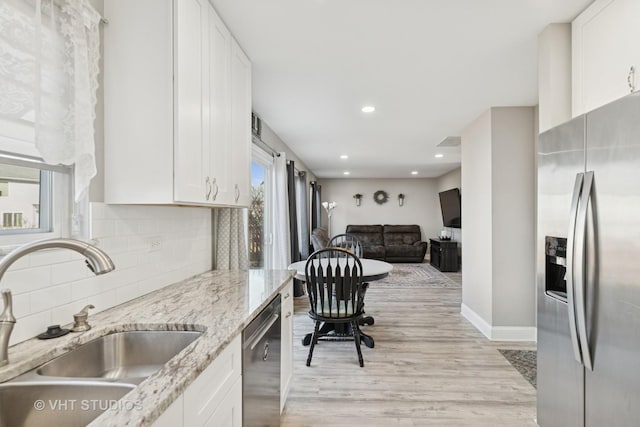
[218, 303]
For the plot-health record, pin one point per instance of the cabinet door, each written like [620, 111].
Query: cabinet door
[240, 125]
[219, 157]
[138, 102]
[286, 353]
[173, 416]
[604, 50]
[208, 393]
[191, 98]
[229, 413]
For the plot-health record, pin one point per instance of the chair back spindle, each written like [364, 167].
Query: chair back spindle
[348, 242]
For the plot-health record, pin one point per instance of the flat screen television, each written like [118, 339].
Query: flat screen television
[450, 205]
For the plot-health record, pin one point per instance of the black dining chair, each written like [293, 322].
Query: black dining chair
[352, 243]
[348, 242]
[336, 295]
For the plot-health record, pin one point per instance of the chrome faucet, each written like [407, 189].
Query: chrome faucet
[97, 261]
[6, 326]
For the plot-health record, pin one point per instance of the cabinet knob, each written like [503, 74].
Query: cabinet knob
[287, 295]
[631, 79]
[237, 193]
[288, 314]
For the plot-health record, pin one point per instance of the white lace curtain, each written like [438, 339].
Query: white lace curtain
[49, 53]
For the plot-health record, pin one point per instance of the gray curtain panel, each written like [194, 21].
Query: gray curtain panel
[303, 215]
[293, 218]
[316, 205]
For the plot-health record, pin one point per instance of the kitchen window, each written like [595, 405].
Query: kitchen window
[35, 200]
[34, 196]
[25, 199]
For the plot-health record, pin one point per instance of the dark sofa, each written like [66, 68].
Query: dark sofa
[391, 243]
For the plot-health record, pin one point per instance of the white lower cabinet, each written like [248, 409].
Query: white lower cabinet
[173, 416]
[229, 413]
[214, 398]
[286, 352]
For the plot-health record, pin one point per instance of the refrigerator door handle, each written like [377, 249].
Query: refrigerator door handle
[569, 277]
[581, 271]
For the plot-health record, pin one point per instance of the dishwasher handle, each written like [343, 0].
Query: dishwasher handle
[263, 331]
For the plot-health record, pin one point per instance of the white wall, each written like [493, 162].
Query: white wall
[498, 216]
[513, 215]
[476, 217]
[450, 180]
[421, 204]
[50, 286]
[273, 140]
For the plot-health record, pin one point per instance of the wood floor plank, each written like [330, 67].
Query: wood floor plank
[429, 367]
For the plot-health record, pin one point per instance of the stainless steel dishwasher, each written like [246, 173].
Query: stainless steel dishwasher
[261, 369]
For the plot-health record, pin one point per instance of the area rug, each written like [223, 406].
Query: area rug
[524, 361]
[418, 275]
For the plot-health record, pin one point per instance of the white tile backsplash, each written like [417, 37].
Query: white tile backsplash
[102, 228]
[69, 272]
[50, 286]
[27, 279]
[46, 257]
[49, 298]
[22, 304]
[30, 326]
[84, 288]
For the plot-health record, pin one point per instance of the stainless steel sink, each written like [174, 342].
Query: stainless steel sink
[123, 356]
[66, 404]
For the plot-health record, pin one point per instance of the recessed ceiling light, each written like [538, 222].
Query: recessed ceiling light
[368, 109]
[346, 173]
[439, 156]
[344, 156]
[414, 172]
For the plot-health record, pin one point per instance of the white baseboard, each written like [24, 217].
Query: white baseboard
[498, 333]
[476, 320]
[514, 333]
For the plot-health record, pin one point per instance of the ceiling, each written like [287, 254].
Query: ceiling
[429, 67]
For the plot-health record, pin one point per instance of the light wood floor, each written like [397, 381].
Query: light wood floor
[429, 367]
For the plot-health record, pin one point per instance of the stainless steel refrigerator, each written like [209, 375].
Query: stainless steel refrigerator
[588, 269]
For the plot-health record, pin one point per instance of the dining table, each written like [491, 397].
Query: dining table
[372, 270]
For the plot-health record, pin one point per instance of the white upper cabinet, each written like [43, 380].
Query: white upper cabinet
[220, 114]
[191, 101]
[172, 105]
[240, 124]
[604, 47]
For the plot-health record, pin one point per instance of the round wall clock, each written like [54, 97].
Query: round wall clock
[380, 197]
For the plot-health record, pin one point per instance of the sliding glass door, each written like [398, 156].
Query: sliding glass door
[259, 233]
